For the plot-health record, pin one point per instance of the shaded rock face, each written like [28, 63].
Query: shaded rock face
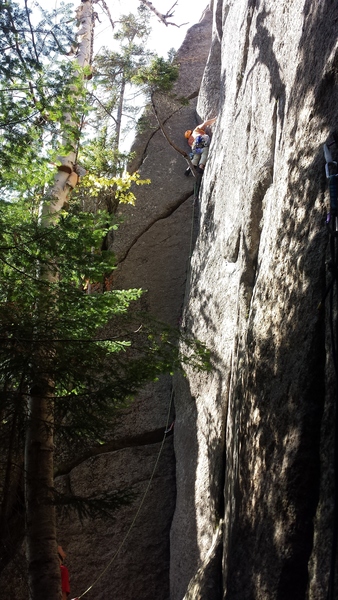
[254, 438]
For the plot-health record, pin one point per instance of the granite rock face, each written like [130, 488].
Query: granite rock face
[259, 427]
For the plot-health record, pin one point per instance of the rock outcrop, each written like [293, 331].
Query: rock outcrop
[254, 439]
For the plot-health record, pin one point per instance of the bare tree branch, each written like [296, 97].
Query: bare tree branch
[164, 18]
[104, 107]
[107, 11]
[15, 31]
[170, 142]
[31, 30]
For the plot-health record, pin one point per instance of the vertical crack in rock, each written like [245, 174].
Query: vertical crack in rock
[246, 48]
[252, 233]
[251, 237]
[231, 483]
[207, 583]
[274, 138]
[218, 20]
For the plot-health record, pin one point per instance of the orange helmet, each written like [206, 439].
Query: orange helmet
[188, 133]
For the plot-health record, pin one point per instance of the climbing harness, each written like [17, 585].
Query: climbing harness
[331, 170]
[166, 431]
[200, 142]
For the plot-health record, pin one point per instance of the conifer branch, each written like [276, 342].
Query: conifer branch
[32, 32]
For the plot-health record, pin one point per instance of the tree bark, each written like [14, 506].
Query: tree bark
[41, 544]
[119, 112]
[62, 186]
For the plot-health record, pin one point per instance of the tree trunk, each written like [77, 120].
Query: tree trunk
[41, 547]
[119, 113]
[41, 544]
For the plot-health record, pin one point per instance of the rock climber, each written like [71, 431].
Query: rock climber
[199, 142]
[64, 574]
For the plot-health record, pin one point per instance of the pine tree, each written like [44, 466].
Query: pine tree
[114, 71]
[157, 79]
[64, 373]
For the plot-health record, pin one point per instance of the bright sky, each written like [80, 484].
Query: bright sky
[186, 13]
[163, 38]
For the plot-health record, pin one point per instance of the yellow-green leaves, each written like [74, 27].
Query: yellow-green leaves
[120, 185]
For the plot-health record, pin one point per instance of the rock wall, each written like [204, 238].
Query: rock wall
[254, 439]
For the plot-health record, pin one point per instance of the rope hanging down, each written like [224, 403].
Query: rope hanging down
[166, 431]
[332, 221]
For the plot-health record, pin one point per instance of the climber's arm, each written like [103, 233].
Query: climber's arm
[207, 123]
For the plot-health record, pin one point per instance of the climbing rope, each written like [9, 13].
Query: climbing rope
[166, 431]
[197, 186]
[192, 227]
[167, 427]
[332, 290]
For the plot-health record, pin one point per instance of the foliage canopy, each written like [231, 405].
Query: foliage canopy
[65, 335]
